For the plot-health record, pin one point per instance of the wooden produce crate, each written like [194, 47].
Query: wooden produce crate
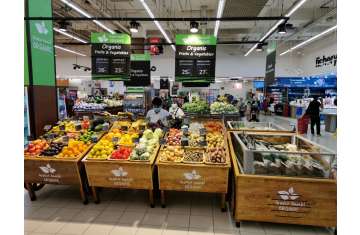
[52, 170]
[179, 176]
[282, 199]
[121, 174]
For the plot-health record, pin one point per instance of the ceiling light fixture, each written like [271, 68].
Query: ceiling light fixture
[282, 28]
[68, 50]
[310, 40]
[157, 23]
[82, 12]
[134, 26]
[63, 25]
[69, 35]
[296, 6]
[259, 47]
[220, 11]
[194, 26]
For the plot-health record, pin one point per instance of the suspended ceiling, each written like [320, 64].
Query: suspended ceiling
[312, 18]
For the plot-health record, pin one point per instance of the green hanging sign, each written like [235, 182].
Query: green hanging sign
[195, 58]
[40, 35]
[270, 63]
[110, 56]
[140, 57]
[118, 38]
[139, 70]
[195, 39]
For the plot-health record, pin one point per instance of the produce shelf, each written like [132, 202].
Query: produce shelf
[121, 174]
[193, 177]
[52, 170]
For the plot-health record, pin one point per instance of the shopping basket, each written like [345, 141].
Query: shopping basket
[302, 124]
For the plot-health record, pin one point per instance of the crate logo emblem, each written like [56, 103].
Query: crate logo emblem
[288, 195]
[41, 28]
[120, 172]
[192, 175]
[103, 38]
[47, 169]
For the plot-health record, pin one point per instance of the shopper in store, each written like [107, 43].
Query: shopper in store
[313, 111]
[157, 116]
[177, 115]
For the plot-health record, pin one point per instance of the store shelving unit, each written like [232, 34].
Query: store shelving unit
[135, 101]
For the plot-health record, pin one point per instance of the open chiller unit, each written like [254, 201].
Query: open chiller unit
[282, 178]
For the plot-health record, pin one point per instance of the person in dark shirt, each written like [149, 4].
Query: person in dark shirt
[313, 111]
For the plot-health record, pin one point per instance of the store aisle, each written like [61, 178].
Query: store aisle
[58, 210]
[327, 139]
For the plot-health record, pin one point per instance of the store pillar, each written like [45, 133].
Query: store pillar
[40, 79]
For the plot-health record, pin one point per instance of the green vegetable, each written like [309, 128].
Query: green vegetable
[222, 108]
[199, 106]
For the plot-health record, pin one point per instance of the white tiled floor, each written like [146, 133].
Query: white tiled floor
[186, 214]
[59, 210]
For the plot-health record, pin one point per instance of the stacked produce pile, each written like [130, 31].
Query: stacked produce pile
[72, 126]
[278, 163]
[195, 143]
[35, 147]
[122, 142]
[57, 148]
[197, 106]
[171, 154]
[174, 137]
[222, 108]
[148, 143]
[113, 102]
[101, 151]
[73, 149]
[84, 106]
[213, 126]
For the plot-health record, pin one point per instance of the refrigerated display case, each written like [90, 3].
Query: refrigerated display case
[254, 126]
[282, 178]
[135, 100]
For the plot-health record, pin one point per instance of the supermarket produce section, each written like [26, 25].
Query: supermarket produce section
[264, 172]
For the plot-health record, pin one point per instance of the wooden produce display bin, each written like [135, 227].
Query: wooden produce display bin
[281, 199]
[39, 171]
[121, 174]
[194, 177]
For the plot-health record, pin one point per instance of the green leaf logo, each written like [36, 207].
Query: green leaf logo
[41, 28]
[103, 38]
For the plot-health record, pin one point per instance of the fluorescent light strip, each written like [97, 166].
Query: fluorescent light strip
[220, 11]
[68, 50]
[297, 6]
[82, 12]
[310, 39]
[69, 35]
[157, 23]
[291, 11]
